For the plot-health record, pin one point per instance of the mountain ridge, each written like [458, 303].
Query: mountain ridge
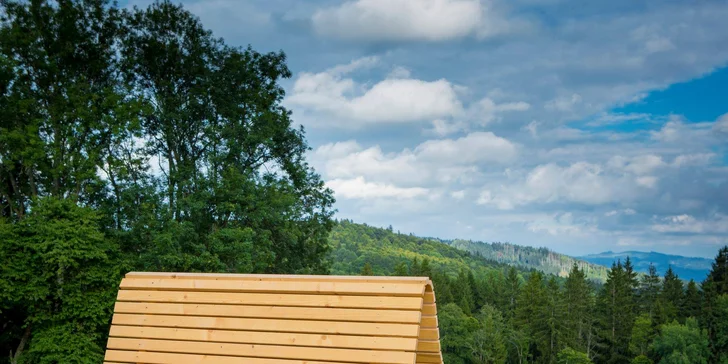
[687, 268]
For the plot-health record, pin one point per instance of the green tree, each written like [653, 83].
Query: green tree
[641, 359]
[671, 297]
[529, 310]
[488, 343]
[511, 293]
[366, 270]
[456, 330]
[682, 344]
[401, 270]
[650, 287]
[691, 306]
[616, 305]
[571, 356]
[642, 335]
[59, 275]
[550, 323]
[578, 316]
[715, 286]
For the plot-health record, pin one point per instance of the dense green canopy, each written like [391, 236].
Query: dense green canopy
[134, 139]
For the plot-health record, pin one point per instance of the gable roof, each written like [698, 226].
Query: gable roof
[171, 318]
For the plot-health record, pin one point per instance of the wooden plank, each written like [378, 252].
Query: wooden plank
[266, 299]
[278, 277]
[262, 351]
[429, 358]
[248, 324]
[258, 337]
[428, 345]
[429, 334]
[429, 321]
[172, 358]
[429, 297]
[302, 287]
[429, 309]
[281, 312]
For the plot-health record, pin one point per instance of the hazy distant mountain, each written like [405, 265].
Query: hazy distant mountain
[685, 267]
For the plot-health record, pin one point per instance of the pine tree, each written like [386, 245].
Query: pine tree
[550, 323]
[671, 297]
[692, 302]
[578, 305]
[511, 293]
[425, 269]
[714, 288]
[415, 269]
[464, 293]
[400, 269]
[367, 270]
[650, 287]
[529, 307]
[617, 303]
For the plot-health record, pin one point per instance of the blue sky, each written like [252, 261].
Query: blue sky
[579, 126]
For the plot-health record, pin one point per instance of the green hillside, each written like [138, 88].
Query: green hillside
[541, 259]
[353, 245]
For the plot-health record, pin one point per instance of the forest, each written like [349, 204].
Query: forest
[133, 139]
[492, 313]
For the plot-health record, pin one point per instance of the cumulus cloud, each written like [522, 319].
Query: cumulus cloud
[717, 224]
[390, 100]
[412, 20]
[433, 161]
[359, 188]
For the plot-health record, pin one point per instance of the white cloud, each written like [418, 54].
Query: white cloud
[359, 188]
[412, 20]
[458, 195]
[721, 125]
[581, 183]
[390, 100]
[472, 148]
[563, 103]
[443, 128]
[697, 159]
[486, 110]
[718, 224]
[433, 161]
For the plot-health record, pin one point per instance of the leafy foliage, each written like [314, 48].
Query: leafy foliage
[134, 139]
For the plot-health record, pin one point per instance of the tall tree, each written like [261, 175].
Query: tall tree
[671, 296]
[511, 293]
[578, 306]
[691, 306]
[650, 287]
[714, 314]
[531, 302]
[234, 174]
[616, 316]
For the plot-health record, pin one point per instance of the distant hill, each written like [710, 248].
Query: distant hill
[354, 244]
[685, 267]
[541, 259]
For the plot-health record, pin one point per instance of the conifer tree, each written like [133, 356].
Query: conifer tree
[650, 287]
[578, 306]
[671, 296]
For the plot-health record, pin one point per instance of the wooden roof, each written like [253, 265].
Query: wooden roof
[170, 318]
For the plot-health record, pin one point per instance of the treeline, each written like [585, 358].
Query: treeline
[491, 313]
[132, 139]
